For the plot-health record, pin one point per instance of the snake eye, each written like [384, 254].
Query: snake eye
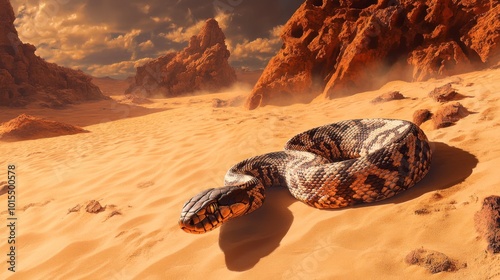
[212, 207]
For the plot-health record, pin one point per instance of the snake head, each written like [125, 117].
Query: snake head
[211, 208]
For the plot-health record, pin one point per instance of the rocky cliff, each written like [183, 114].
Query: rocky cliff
[337, 47]
[201, 66]
[26, 78]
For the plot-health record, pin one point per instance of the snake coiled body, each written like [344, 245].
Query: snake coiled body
[331, 166]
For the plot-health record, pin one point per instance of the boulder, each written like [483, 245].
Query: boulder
[444, 93]
[338, 47]
[420, 116]
[487, 222]
[25, 77]
[201, 66]
[449, 114]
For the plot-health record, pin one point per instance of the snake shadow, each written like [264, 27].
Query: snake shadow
[248, 239]
[450, 166]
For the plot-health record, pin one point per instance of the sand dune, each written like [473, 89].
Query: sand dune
[143, 162]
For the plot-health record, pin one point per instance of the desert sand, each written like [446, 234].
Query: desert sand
[142, 162]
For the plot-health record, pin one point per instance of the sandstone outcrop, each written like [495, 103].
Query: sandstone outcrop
[26, 78]
[201, 66]
[338, 47]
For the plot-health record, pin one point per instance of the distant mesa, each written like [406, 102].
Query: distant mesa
[201, 66]
[335, 48]
[27, 78]
[26, 127]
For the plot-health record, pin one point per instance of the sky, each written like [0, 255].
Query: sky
[113, 37]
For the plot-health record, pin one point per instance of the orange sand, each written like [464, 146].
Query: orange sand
[143, 162]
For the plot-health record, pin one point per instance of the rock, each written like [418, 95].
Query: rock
[201, 66]
[444, 93]
[487, 222]
[449, 114]
[232, 102]
[484, 38]
[4, 188]
[94, 207]
[421, 116]
[422, 211]
[388, 96]
[26, 127]
[74, 209]
[25, 77]
[114, 213]
[433, 261]
[438, 60]
[218, 103]
[336, 48]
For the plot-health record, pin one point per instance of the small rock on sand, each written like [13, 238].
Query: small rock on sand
[4, 188]
[218, 103]
[421, 116]
[449, 114]
[433, 261]
[94, 207]
[444, 93]
[388, 96]
[232, 102]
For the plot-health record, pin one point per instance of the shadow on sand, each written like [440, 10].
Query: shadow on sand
[248, 239]
[449, 166]
[84, 114]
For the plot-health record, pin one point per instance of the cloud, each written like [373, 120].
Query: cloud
[145, 46]
[114, 35]
[258, 51]
[183, 34]
[120, 69]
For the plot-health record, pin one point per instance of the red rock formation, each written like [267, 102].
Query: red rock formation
[338, 47]
[25, 77]
[201, 66]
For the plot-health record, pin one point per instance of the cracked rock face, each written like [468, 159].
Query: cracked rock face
[201, 66]
[27, 78]
[338, 47]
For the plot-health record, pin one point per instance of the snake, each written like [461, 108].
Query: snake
[332, 166]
